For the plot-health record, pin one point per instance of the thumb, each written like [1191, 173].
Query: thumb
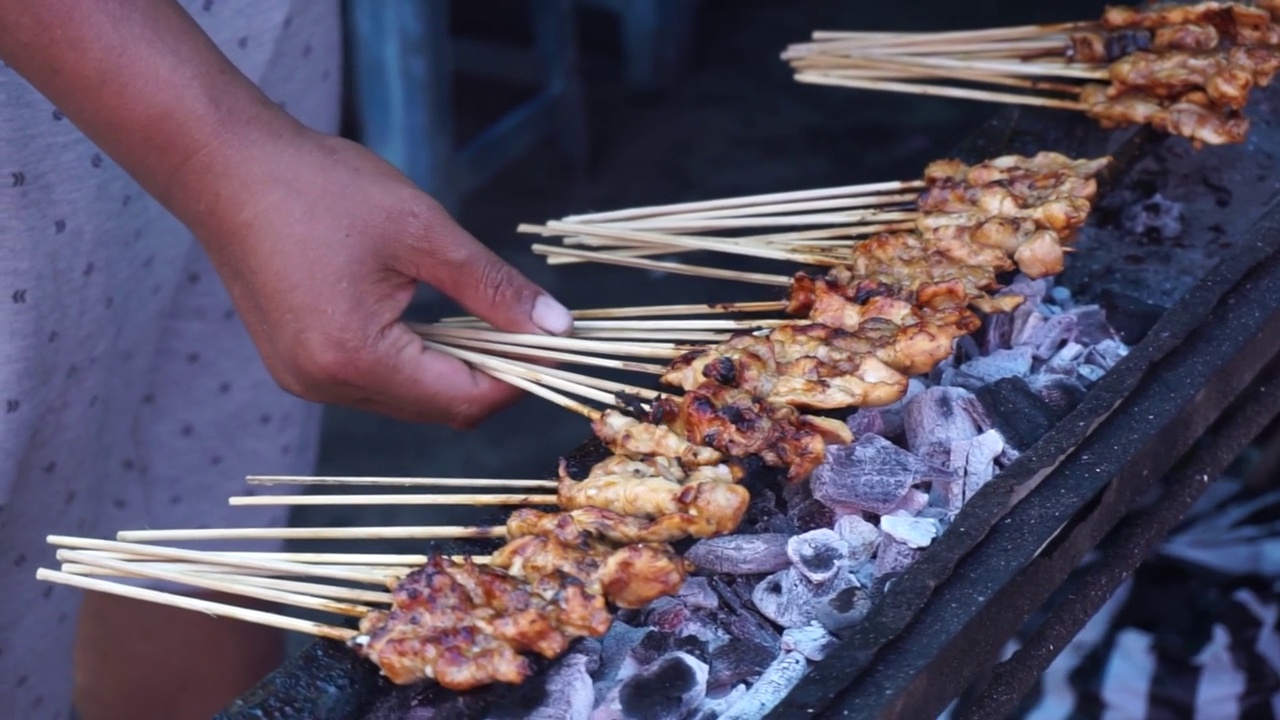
[448, 258]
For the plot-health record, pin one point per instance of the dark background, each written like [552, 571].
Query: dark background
[732, 122]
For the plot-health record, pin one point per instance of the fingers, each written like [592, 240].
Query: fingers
[421, 385]
[448, 258]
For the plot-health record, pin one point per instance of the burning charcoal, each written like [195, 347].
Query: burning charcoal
[1092, 327]
[938, 417]
[569, 693]
[867, 421]
[672, 616]
[861, 536]
[1062, 394]
[812, 641]
[697, 593]
[1107, 353]
[819, 554]
[747, 625]
[894, 556]
[669, 688]
[657, 644]
[713, 707]
[1015, 362]
[738, 660]
[975, 461]
[1033, 290]
[1064, 362]
[763, 515]
[1056, 331]
[999, 333]
[785, 597]
[740, 554]
[1090, 373]
[1018, 412]
[616, 648]
[1027, 322]
[804, 510]
[770, 689]
[915, 532]
[872, 474]
[844, 609]
[912, 503]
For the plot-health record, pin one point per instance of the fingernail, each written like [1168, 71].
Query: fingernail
[551, 316]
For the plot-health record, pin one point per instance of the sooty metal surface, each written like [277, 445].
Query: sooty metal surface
[1200, 245]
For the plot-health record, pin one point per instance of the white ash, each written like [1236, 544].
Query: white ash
[575, 695]
[669, 688]
[767, 602]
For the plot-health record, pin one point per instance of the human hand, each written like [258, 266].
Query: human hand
[321, 244]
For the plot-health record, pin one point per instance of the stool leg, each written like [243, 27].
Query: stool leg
[402, 63]
[556, 41]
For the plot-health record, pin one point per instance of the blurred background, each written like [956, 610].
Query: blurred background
[679, 100]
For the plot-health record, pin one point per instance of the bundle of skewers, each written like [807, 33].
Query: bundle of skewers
[1184, 70]
[741, 387]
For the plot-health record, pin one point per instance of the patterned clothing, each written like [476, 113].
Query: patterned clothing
[130, 394]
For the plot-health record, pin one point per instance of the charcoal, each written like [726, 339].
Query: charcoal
[712, 707]
[1061, 297]
[912, 503]
[672, 616]
[1092, 327]
[1090, 373]
[938, 417]
[844, 609]
[737, 661]
[915, 532]
[657, 644]
[785, 597]
[741, 554]
[778, 680]
[569, 694]
[763, 515]
[872, 474]
[1033, 290]
[888, 417]
[818, 554]
[978, 460]
[616, 649]
[894, 556]
[1107, 353]
[810, 513]
[1027, 322]
[1056, 332]
[861, 536]
[669, 688]
[747, 625]
[1131, 317]
[812, 640]
[1060, 393]
[698, 594]
[1065, 361]
[867, 421]
[1015, 410]
[1015, 362]
[999, 333]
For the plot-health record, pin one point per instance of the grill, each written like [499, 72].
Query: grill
[1200, 309]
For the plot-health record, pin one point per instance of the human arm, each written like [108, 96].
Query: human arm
[319, 242]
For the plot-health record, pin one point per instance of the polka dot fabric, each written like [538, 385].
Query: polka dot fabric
[130, 394]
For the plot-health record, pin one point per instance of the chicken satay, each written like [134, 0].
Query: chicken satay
[573, 526]
[629, 577]
[633, 438]
[718, 506]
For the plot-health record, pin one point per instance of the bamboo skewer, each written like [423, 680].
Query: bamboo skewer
[941, 91]
[650, 350]
[528, 352]
[218, 585]
[204, 606]
[668, 267]
[367, 559]
[396, 481]
[436, 532]
[688, 241]
[1012, 32]
[123, 544]
[875, 203]
[653, 311]
[377, 574]
[546, 394]
[402, 499]
[582, 385]
[747, 201]
[332, 592]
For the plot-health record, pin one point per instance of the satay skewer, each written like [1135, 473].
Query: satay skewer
[409, 532]
[504, 349]
[207, 607]
[1002, 33]
[578, 384]
[207, 582]
[762, 306]
[555, 342]
[895, 186]
[393, 481]
[674, 268]
[473, 499]
[556, 227]
[319, 590]
[941, 91]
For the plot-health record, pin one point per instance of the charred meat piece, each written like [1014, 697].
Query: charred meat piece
[715, 508]
[635, 439]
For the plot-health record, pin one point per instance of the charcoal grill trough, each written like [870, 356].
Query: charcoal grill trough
[1199, 307]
